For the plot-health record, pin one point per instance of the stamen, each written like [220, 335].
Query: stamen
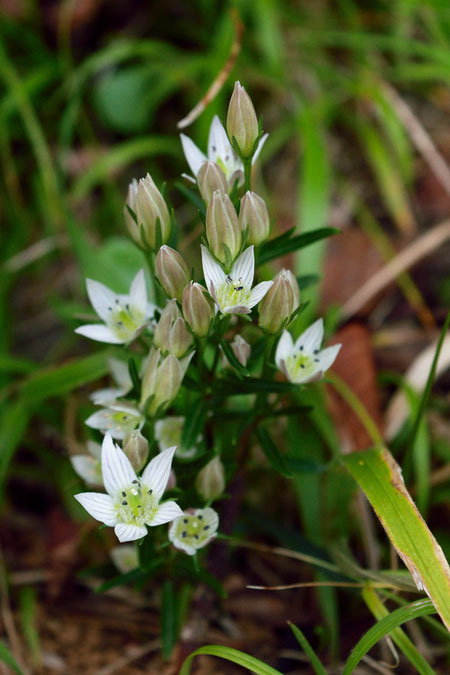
[316, 351]
[200, 517]
[185, 520]
[149, 492]
[124, 503]
[135, 480]
[301, 348]
[183, 534]
[316, 360]
[206, 527]
[213, 148]
[124, 494]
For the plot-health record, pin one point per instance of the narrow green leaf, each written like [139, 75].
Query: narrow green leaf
[168, 619]
[380, 477]
[309, 651]
[193, 425]
[8, 658]
[229, 654]
[251, 385]
[272, 453]
[384, 627]
[13, 425]
[232, 358]
[123, 579]
[275, 248]
[27, 602]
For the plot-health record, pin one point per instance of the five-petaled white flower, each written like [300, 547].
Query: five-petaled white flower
[233, 292]
[304, 361]
[194, 529]
[132, 503]
[220, 151]
[124, 316]
[118, 419]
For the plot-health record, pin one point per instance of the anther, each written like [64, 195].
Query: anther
[124, 494]
[302, 365]
[316, 360]
[149, 492]
[185, 520]
[135, 480]
[316, 351]
[195, 536]
[183, 534]
[200, 517]
[206, 527]
[124, 503]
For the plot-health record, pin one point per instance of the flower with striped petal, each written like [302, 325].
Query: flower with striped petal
[304, 361]
[233, 293]
[124, 316]
[132, 503]
[194, 529]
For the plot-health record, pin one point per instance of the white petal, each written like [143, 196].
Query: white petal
[118, 474]
[284, 348]
[102, 298]
[157, 472]
[218, 144]
[120, 373]
[259, 292]
[327, 357]
[150, 310]
[88, 468]
[106, 396]
[125, 558]
[99, 332]
[100, 507]
[210, 518]
[138, 292]
[259, 148]
[212, 271]
[312, 337]
[129, 532]
[244, 267]
[94, 449]
[236, 309]
[184, 362]
[166, 512]
[194, 156]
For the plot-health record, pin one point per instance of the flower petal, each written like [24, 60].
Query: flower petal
[99, 506]
[219, 147]
[284, 348]
[194, 156]
[125, 558]
[99, 332]
[328, 356]
[259, 292]
[102, 298]
[212, 271]
[244, 267]
[88, 468]
[157, 472]
[235, 309]
[259, 148]
[126, 532]
[166, 512]
[118, 474]
[311, 338]
[106, 396]
[138, 293]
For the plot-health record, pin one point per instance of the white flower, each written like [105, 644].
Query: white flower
[168, 432]
[194, 530]
[304, 361]
[233, 292]
[121, 377]
[88, 467]
[118, 419]
[220, 151]
[132, 503]
[125, 557]
[124, 316]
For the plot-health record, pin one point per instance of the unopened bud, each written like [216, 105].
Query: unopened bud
[242, 123]
[280, 301]
[198, 309]
[162, 380]
[135, 446]
[171, 334]
[150, 209]
[241, 349]
[172, 271]
[210, 482]
[254, 215]
[222, 227]
[209, 179]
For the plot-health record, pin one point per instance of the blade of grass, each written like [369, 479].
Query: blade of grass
[230, 654]
[309, 651]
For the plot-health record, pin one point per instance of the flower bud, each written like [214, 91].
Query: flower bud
[210, 482]
[280, 301]
[198, 309]
[172, 271]
[149, 207]
[171, 335]
[209, 179]
[222, 226]
[254, 215]
[242, 123]
[135, 446]
[241, 349]
[161, 380]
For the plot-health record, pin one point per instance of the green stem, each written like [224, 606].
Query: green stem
[247, 173]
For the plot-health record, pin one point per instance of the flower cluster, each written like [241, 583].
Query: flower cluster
[180, 347]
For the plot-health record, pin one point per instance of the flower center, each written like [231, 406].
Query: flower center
[192, 530]
[125, 320]
[123, 421]
[232, 292]
[300, 364]
[229, 164]
[136, 505]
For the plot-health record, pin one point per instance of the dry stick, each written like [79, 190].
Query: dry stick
[420, 137]
[313, 584]
[132, 654]
[408, 257]
[221, 78]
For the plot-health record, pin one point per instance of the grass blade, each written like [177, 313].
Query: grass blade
[229, 654]
[309, 651]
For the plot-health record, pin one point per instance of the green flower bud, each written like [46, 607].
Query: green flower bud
[254, 215]
[198, 309]
[242, 123]
[149, 207]
[280, 301]
[135, 446]
[171, 335]
[209, 179]
[241, 349]
[210, 482]
[172, 271]
[162, 380]
[222, 227]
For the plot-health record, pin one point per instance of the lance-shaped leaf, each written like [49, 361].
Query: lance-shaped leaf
[380, 477]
